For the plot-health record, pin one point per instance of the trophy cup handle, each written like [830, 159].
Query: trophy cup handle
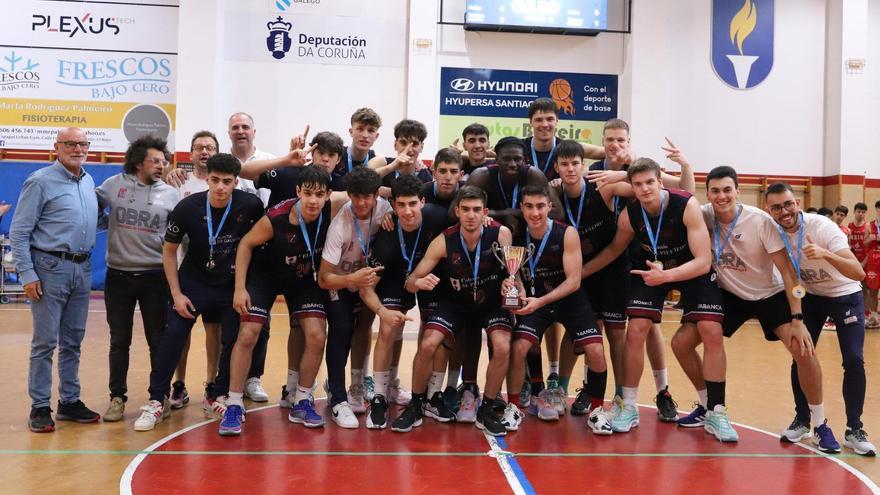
[530, 250]
[496, 249]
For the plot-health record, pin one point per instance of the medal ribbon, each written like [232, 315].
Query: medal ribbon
[212, 239]
[305, 233]
[719, 247]
[655, 238]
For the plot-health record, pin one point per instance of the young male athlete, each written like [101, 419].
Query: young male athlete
[409, 141]
[446, 169]
[364, 132]
[829, 273]
[293, 233]
[215, 221]
[399, 251]
[751, 287]
[551, 282]
[872, 269]
[347, 265]
[475, 149]
[674, 242]
[469, 301]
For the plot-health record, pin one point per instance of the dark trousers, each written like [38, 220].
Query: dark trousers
[204, 298]
[848, 314]
[122, 290]
[341, 321]
[258, 359]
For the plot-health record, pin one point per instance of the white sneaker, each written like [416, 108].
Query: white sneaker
[557, 399]
[343, 416]
[399, 394]
[356, 398]
[214, 409]
[857, 440]
[151, 415]
[512, 418]
[467, 411]
[253, 390]
[598, 422]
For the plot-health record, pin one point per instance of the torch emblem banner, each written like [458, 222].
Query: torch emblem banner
[742, 41]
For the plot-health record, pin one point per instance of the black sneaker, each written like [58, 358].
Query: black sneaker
[581, 404]
[667, 408]
[40, 420]
[179, 395]
[436, 408]
[451, 398]
[378, 417]
[76, 411]
[488, 421]
[410, 418]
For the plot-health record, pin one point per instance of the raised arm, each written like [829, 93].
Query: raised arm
[295, 158]
[843, 260]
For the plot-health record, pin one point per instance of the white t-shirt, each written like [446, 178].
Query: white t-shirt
[820, 277]
[342, 247]
[247, 185]
[745, 268]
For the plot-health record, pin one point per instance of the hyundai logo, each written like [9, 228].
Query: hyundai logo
[462, 84]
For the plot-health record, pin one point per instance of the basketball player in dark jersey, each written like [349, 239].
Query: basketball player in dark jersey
[674, 254]
[446, 170]
[364, 132]
[400, 250]
[470, 301]
[541, 146]
[409, 140]
[475, 148]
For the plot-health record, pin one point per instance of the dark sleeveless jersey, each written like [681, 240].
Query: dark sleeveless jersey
[468, 168]
[423, 174]
[597, 224]
[281, 183]
[500, 197]
[337, 177]
[672, 247]
[549, 271]
[389, 253]
[430, 195]
[548, 169]
[459, 279]
[287, 252]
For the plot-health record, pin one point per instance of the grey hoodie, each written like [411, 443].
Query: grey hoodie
[138, 216]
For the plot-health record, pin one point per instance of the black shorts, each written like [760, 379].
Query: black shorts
[451, 322]
[303, 297]
[573, 312]
[608, 293]
[393, 295]
[771, 312]
[209, 317]
[700, 299]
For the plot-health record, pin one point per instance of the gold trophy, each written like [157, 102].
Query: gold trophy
[512, 257]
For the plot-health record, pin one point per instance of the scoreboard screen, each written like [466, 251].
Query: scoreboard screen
[553, 16]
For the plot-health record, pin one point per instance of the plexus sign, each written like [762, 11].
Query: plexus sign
[499, 99]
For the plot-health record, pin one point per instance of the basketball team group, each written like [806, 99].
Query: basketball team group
[528, 242]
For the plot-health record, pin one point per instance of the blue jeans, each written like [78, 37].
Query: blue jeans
[59, 321]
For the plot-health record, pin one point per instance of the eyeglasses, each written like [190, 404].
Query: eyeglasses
[73, 144]
[205, 147]
[157, 161]
[789, 205]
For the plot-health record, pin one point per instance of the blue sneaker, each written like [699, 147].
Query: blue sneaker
[627, 419]
[232, 419]
[695, 419]
[824, 439]
[717, 423]
[304, 413]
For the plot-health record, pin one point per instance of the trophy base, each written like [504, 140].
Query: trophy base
[510, 303]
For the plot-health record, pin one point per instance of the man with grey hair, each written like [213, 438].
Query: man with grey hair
[53, 234]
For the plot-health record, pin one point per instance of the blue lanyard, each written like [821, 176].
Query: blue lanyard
[365, 246]
[654, 238]
[535, 155]
[575, 221]
[795, 260]
[350, 165]
[719, 247]
[212, 239]
[412, 256]
[534, 260]
[616, 198]
[305, 233]
[475, 265]
[512, 203]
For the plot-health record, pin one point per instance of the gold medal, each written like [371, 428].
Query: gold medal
[658, 264]
[798, 291]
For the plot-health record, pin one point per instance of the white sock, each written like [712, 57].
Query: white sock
[357, 376]
[704, 397]
[452, 377]
[235, 399]
[302, 393]
[554, 367]
[817, 414]
[381, 383]
[586, 371]
[435, 383]
[392, 378]
[661, 379]
[629, 395]
[292, 380]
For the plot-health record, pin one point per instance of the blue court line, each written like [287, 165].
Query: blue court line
[517, 469]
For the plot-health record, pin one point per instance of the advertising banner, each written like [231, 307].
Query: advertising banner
[499, 99]
[108, 68]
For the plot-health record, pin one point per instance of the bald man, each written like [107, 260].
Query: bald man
[52, 234]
